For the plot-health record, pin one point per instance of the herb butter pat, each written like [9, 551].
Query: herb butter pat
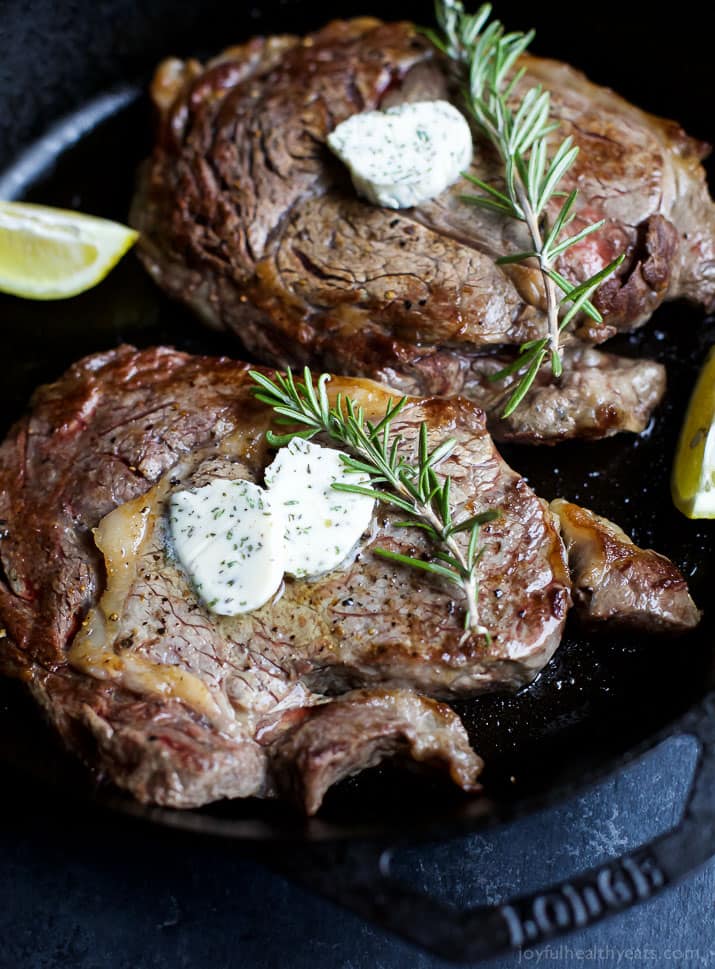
[228, 540]
[235, 540]
[405, 155]
[322, 525]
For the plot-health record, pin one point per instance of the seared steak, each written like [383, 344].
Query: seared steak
[246, 217]
[599, 394]
[615, 580]
[181, 706]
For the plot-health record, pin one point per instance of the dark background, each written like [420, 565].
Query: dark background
[82, 889]
[85, 891]
[661, 57]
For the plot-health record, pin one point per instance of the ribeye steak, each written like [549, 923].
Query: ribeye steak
[181, 706]
[247, 218]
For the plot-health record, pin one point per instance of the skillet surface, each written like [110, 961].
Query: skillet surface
[604, 697]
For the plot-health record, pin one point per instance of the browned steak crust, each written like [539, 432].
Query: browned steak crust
[182, 707]
[123, 425]
[616, 581]
[246, 217]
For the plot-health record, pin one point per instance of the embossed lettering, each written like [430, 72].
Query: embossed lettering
[585, 903]
[515, 926]
[614, 887]
[552, 912]
[647, 876]
[573, 905]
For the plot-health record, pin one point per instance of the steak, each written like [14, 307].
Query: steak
[247, 218]
[617, 581]
[181, 706]
[599, 392]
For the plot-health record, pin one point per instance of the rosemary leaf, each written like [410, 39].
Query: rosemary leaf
[433, 567]
[445, 509]
[472, 549]
[576, 237]
[481, 519]
[280, 440]
[557, 367]
[414, 487]
[484, 202]
[489, 189]
[526, 355]
[561, 162]
[581, 294]
[561, 221]
[567, 289]
[535, 170]
[524, 384]
[516, 257]
[412, 523]
[441, 452]
[519, 128]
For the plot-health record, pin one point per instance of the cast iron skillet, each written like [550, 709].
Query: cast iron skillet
[604, 699]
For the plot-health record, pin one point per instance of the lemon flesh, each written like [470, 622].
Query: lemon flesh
[693, 481]
[48, 253]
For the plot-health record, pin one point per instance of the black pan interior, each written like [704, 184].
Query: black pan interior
[605, 695]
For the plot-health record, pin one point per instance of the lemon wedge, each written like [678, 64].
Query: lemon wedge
[693, 481]
[48, 253]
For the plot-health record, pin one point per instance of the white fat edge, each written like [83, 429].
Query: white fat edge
[121, 537]
[406, 155]
[323, 526]
[228, 537]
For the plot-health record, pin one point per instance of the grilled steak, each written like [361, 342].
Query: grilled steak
[246, 217]
[181, 706]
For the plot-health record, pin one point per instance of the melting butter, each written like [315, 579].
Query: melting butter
[322, 525]
[406, 155]
[228, 536]
[235, 540]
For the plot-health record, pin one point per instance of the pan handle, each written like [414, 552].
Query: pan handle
[357, 876]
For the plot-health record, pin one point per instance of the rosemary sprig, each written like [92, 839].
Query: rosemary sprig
[487, 57]
[415, 488]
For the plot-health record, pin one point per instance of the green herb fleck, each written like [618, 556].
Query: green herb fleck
[486, 58]
[414, 487]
